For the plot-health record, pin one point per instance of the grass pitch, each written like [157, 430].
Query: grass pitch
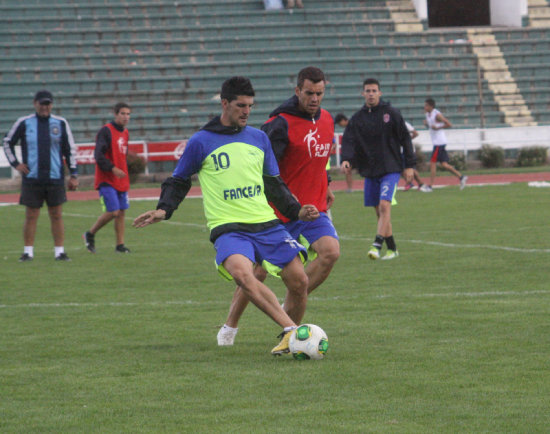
[453, 336]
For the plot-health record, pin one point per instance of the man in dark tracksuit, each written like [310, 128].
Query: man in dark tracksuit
[45, 141]
[374, 141]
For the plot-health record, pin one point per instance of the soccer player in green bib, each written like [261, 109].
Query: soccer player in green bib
[238, 174]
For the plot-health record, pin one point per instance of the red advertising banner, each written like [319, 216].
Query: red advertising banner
[151, 151]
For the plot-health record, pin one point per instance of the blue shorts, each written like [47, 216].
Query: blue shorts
[439, 154]
[308, 232]
[112, 199]
[383, 188]
[273, 249]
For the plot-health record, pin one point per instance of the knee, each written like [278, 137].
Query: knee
[115, 214]
[298, 283]
[330, 256]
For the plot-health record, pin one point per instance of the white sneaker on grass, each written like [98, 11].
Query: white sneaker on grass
[226, 335]
[426, 188]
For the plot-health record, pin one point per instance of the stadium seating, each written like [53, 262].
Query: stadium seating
[168, 58]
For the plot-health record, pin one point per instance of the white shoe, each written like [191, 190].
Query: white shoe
[426, 188]
[226, 336]
[463, 180]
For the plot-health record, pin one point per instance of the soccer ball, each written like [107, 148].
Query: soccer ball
[308, 342]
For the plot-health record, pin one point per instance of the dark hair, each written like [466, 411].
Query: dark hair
[340, 117]
[371, 81]
[431, 102]
[310, 73]
[236, 86]
[119, 106]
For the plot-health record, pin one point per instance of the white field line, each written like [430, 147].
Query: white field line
[458, 246]
[479, 294]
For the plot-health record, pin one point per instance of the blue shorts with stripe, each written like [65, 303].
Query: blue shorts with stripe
[112, 199]
[273, 249]
[308, 232]
[382, 188]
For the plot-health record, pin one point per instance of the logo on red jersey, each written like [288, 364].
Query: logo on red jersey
[122, 146]
[316, 149]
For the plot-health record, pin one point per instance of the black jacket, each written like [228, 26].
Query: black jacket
[375, 139]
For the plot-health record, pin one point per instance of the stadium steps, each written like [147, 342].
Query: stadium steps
[539, 13]
[502, 84]
[403, 13]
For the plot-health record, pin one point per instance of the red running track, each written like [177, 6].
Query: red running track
[335, 185]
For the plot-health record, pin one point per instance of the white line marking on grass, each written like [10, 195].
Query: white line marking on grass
[458, 246]
[131, 220]
[470, 294]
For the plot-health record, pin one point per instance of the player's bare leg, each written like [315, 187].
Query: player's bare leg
[296, 282]
[328, 252]
[56, 222]
[29, 226]
[241, 269]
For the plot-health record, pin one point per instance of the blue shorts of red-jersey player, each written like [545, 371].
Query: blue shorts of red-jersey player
[272, 248]
[112, 199]
[382, 188]
[439, 154]
[308, 232]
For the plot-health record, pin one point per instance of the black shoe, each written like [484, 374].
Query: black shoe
[25, 257]
[62, 257]
[89, 240]
[121, 248]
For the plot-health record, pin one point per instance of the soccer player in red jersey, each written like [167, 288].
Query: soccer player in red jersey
[301, 134]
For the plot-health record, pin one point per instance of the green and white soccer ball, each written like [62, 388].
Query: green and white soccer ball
[308, 342]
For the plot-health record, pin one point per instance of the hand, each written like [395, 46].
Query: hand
[22, 168]
[345, 167]
[330, 198]
[119, 173]
[73, 183]
[149, 217]
[408, 174]
[308, 213]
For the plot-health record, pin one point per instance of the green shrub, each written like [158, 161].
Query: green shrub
[458, 160]
[491, 156]
[532, 156]
[136, 165]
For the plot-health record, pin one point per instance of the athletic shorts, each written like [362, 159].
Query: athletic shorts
[439, 154]
[112, 199]
[34, 195]
[383, 188]
[308, 232]
[273, 249]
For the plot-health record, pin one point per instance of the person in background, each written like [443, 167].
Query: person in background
[46, 140]
[111, 177]
[436, 123]
[374, 141]
[342, 121]
[416, 176]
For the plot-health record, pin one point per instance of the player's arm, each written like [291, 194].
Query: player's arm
[277, 132]
[68, 148]
[102, 146]
[440, 118]
[10, 140]
[173, 191]
[348, 147]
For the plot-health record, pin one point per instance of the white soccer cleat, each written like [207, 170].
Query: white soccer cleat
[391, 254]
[226, 336]
[426, 188]
[463, 180]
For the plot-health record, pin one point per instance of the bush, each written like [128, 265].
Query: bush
[136, 165]
[491, 156]
[532, 156]
[458, 160]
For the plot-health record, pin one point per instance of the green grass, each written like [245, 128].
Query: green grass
[453, 336]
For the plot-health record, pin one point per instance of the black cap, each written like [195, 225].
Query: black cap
[43, 96]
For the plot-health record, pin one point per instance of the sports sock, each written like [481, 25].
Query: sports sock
[29, 250]
[233, 329]
[378, 241]
[287, 329]
[58, 250]
[390, 242]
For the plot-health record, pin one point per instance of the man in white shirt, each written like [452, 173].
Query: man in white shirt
[436, 122]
